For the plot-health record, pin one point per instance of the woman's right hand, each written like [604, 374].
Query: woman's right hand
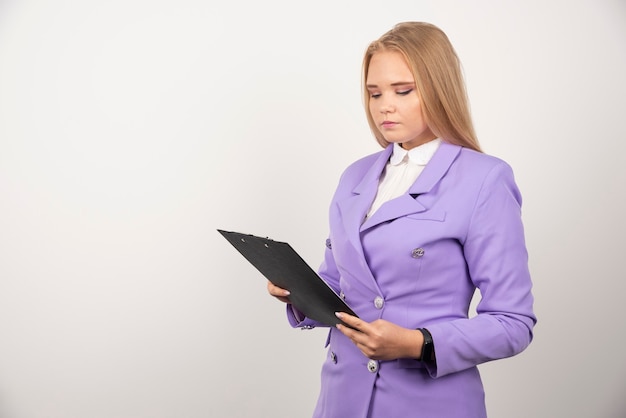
[278, 292]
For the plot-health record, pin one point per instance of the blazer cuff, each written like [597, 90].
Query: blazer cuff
[297, 319]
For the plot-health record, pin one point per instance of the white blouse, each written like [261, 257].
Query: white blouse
[401, 171]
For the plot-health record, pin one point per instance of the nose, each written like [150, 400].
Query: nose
[387, 107]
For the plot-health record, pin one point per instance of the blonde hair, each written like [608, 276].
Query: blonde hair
[438, 77]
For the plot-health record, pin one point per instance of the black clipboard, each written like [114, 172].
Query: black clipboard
[282, 265]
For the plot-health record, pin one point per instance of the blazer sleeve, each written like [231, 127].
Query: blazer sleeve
[497, 262]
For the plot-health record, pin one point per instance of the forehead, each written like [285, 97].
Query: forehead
[388, 67]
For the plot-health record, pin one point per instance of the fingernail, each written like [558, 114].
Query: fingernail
[287, 293]
[338, 315]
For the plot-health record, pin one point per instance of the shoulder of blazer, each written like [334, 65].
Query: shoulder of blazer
[478, 164]
[355, 171]
[480, 158]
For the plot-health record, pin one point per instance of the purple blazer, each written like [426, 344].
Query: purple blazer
[416, 262]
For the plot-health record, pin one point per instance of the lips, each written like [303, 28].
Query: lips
[388, 124]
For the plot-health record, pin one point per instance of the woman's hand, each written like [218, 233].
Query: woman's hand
[382, 340]
[278, 292]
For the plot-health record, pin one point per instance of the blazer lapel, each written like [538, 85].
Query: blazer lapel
[354, 208]
[436, 168]
[408, 203]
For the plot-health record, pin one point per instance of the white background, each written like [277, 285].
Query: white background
[130, 130]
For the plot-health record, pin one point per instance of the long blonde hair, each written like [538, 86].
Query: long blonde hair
[438, 76]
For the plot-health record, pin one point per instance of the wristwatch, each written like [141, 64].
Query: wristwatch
[428, 348]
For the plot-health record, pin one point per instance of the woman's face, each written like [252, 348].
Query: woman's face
[394, 102]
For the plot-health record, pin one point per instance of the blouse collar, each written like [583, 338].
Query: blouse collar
[419, 155]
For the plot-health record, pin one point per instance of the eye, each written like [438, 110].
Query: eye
[374, 95]
[404, 92]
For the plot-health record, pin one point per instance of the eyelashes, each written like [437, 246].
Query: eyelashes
[400, 93]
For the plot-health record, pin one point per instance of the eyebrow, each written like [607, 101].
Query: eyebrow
[396, 84]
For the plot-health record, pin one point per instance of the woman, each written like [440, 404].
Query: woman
[414, 230]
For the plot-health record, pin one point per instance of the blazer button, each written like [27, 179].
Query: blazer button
[328, 244]
[372, 366]
[379, 302]
[342, 295]
[333, 357]
[417, 252]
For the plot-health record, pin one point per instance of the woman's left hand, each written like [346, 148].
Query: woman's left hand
[382, 340]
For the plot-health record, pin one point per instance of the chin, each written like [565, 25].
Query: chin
[395, 140]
